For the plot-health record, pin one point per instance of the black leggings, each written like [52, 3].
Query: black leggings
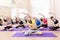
[1, 24]
[20, 26]
[7, 27]
[44, 25]
[54, 28]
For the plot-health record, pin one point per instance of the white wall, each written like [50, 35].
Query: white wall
[52, 6]
[5, 11]
[40, 6]
[57, 8]
[20, 6]
[6, 3]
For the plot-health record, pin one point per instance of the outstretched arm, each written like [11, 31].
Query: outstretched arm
[28, 15]
[52, 14]
[41, 14]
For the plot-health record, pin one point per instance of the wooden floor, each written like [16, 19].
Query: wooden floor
[6, 35]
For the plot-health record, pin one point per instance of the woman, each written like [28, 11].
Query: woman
[44, 22]
[8, 23]
[21, 24]
[31, 24]
[56, 22]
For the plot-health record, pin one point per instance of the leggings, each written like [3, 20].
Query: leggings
[54, 28]
[7, 27]
[44, 25]
[20, 26]
[30, 31]
[1, 24]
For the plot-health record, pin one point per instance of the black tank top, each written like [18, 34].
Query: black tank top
[21, 22]
[55, 21]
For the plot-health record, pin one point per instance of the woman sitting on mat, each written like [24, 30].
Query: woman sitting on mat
[25, 18]
[44, 22]
[21, 24]
[56, 23]
[17, 20]
[37, 22]
[8, 24]
[31, 25]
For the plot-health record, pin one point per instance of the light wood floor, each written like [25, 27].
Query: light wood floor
[6, 35]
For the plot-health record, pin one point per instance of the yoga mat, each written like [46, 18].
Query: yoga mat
[34, 35]
[43, 29]
[47, 29]
[20, 29]
[17, 29]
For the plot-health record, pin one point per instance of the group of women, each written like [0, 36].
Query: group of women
[32, 22]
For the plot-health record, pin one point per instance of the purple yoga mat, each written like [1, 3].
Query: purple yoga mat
[20, 29]
[43, 29]
[34, 35]
[47, 29]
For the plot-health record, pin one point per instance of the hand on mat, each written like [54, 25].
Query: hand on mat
[11, 29]
[38, 32]
[23, 31]
[33, 27]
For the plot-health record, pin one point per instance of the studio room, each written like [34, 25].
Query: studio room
[29, 19]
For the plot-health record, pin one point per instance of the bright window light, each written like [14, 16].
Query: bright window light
[5, 3]
[40, 6]
[19, 12]
[13, 12]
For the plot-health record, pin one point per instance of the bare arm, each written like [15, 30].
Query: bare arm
[52, 14]
[27, 15]
[41, 14]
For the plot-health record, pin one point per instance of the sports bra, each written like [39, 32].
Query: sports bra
[55, 21]
[31, 22]
[38, 22]
[45, 21]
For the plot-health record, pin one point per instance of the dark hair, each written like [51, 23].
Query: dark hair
[0, 19]
[30, 22]
[51, 17]
[26, 21]
[5, 20]
[41, 19]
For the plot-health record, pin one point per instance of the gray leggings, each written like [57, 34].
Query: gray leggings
[30, 31]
